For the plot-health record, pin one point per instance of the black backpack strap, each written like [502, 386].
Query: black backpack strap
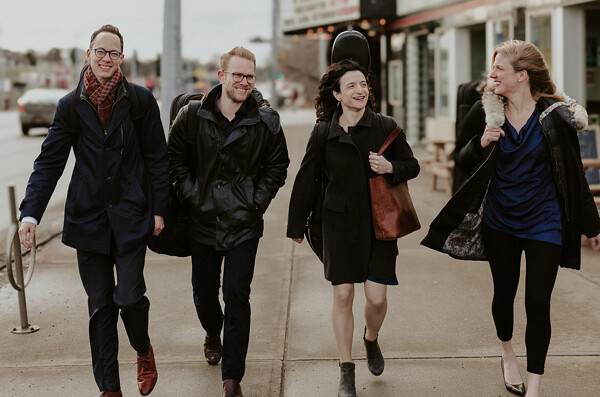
[192, 117]
[73, 124]
[320, 148]
[136, 111]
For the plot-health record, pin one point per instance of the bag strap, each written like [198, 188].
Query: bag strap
[390, 139]
[320, 144]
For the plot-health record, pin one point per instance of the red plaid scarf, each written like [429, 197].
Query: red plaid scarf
[102, 95]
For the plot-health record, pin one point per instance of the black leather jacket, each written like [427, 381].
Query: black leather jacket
[228, 181]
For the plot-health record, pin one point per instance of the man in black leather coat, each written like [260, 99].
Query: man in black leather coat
[226, 172]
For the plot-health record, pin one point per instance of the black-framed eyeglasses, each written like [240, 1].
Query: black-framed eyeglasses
[239, 77]
[101, 52]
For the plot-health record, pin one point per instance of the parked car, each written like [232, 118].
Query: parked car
[37, 107]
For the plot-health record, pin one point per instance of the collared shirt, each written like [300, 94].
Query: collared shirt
[226, 125]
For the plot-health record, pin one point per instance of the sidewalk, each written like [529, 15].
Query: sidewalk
[438, 338]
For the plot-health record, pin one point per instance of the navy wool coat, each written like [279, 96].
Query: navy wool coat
[119, 182]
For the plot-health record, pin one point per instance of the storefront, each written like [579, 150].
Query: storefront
[422, 51]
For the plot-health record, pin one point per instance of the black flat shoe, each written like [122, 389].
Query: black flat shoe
[375, 360]
[519, 389]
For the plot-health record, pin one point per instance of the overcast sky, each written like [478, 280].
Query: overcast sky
[208, 27]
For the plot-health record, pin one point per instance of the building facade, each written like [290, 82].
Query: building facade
[423, 50]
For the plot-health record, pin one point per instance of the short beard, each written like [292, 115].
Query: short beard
[231, 96]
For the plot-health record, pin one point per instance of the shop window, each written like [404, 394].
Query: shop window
[501, 32]
[444, 75]
[540, 34]
[478, 55]
[395, 87]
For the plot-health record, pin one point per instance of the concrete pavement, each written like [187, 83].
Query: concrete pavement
[438, 338]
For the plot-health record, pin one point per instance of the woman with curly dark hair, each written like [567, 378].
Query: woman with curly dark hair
[344, 142]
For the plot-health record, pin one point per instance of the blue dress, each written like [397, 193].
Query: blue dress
[522, 198]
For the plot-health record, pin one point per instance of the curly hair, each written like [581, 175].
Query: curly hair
[523, 55]
[325, 102]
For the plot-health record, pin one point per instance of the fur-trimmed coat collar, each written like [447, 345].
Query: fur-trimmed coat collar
[494, 105]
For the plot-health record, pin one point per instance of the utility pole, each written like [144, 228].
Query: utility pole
[3, 65]
[274, 52]
[170, 68]
[134, 67]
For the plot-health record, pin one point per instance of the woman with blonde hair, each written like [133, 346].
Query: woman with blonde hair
[527, 193]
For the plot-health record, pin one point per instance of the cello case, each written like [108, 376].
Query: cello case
[353, 45]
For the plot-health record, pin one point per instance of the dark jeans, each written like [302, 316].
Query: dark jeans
[238, 271]
[104, 301]
[542, 260]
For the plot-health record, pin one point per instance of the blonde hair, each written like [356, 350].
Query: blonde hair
[526, 56]
[236, 51]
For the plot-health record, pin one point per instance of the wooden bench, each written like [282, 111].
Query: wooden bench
[439, 138]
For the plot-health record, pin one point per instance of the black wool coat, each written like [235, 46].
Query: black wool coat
[456, 230]
[346, 219]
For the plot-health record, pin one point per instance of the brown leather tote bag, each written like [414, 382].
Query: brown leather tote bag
[394, 214]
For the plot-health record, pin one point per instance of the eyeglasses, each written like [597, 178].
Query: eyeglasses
[101, 52]
[238, 77]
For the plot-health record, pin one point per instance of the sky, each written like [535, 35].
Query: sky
[208, 27]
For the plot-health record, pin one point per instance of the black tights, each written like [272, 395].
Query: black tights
[542, 259]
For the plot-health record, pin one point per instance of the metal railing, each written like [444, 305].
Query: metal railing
[16, 278]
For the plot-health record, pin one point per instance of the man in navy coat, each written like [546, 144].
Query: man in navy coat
[115, 202]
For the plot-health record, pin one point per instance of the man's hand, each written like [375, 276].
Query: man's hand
[159, 224]
[298, 240]
[593, 243]
[27, 234]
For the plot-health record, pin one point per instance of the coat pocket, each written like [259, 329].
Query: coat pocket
[335, 204]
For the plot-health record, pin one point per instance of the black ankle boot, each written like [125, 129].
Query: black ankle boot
[375, 360]
[347, 387]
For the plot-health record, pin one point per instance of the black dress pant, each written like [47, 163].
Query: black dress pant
[105, 299]
[542, 260]
[238, 271]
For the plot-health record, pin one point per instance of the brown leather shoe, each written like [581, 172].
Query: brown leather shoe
[232, 388]
[213, 349]
[111, 394]
[146, 373]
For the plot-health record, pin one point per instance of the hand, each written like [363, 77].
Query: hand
[159, 224]
[593, 243]
[27, 234]
[298, 240]
[491, 135]
[379, 164]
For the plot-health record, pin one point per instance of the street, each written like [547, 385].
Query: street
[438, 338]
[17, 153]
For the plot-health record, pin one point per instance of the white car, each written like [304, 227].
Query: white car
[37, 107]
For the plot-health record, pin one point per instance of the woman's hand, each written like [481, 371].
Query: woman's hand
[379, 164]
[298, 240]
[490, 135]
[593, 243]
